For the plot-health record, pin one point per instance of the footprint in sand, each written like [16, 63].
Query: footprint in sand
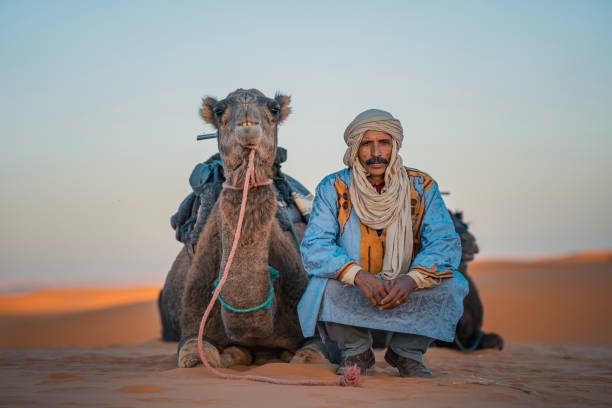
[142, 388]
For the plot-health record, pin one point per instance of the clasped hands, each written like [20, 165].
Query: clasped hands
[384, 294]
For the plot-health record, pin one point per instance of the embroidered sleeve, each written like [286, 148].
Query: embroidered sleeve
[340, 273]
[424, 281]
[439, 249]
[349, 276]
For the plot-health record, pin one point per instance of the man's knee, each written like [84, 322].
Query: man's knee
[350, 339]
[411, 346]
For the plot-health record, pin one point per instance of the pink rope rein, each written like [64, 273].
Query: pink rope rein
[350, 378]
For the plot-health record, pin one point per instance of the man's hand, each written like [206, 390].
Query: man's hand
[400, 289]
[373, 289]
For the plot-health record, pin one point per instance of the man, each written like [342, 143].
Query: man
[381, 253]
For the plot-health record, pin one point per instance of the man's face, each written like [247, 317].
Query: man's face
[375, 145]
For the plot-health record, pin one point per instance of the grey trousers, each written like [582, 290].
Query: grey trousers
[355, 340]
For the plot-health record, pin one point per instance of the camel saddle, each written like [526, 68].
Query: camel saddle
[206, 180]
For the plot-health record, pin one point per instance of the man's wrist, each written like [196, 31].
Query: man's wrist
[350, 275]
[413, 283]
[422, 281]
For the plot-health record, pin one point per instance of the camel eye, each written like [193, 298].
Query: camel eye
[218, 111]
[274, 109]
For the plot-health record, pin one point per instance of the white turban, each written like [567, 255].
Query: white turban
[391, 208]
[371, 119]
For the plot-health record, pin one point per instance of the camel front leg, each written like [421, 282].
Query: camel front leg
[197, 293]
[194, 305]
[196, 297]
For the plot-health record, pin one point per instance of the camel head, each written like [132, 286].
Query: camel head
[246, 119]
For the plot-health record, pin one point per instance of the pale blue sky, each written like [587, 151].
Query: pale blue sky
[506, 104]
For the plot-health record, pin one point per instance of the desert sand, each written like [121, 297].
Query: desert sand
[100, 347]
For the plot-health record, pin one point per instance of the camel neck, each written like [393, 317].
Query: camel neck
[251, 185]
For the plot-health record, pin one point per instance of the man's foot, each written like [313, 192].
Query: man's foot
[363, 360]
[407, 367]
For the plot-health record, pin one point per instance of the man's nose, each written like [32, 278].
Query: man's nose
[376, 150]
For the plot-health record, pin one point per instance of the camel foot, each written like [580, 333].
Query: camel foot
[286, 356]
[492, 341]
[189, 356]
[234, 355]
[311, 353]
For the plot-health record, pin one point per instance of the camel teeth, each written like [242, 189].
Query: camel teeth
[247, 124]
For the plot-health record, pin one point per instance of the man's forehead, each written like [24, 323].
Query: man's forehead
[375, 135]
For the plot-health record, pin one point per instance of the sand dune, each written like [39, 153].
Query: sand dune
[99, 347]
[562, 300]
[55, 301]
[128, 324]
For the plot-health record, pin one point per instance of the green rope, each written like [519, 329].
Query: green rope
[273, 275]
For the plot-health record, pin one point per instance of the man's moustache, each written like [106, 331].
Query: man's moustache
[374, 160]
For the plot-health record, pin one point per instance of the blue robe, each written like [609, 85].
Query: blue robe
[332, 243]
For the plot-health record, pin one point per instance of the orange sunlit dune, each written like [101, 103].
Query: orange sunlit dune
[73, 300]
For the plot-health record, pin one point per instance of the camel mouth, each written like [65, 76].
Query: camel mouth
[247, 123]
[248, 136]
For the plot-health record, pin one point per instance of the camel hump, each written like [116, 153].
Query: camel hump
[469, 247]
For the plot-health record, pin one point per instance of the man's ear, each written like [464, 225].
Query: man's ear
[285, 110]
[206, 110]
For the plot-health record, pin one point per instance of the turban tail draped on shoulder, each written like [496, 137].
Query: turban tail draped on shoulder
[391, 208]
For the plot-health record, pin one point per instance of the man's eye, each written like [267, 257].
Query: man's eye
[367, 142]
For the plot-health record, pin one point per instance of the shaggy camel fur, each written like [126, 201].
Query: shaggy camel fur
[469, 335]
[244, 119]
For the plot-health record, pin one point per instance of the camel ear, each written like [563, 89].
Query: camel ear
[285, 110]
[206, 110]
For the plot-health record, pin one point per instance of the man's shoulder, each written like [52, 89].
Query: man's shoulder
[416, 172]
[330, 180]
[420, 177]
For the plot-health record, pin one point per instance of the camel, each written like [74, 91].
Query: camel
[469, 336]
[245, 119]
